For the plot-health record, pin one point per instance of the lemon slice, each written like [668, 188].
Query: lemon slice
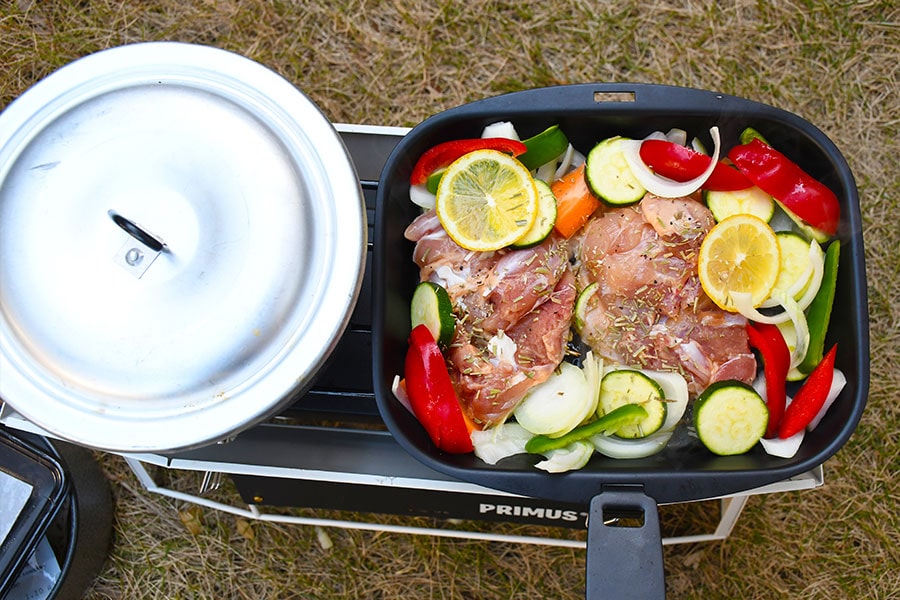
[486, 200]
[739, 255]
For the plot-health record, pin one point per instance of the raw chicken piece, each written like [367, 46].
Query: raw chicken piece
[513, 310]
[650, 310]
[492, 376]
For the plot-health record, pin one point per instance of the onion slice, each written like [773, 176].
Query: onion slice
[420, 196]
[677, 136]
[838, 381]
[571, 159]
[783, 448]
[614, 447]
[400, 394]
[811, 278]
[572, 457]
[792, 312]
[501, 129]
[507, 439]
[663, 186]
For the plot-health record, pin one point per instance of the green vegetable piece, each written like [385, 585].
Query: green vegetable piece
[434, 180]
[544, 147]
[749, 134]
[752, 201]
[432, 307]
[818, 314]
[626, 414]
[730, 417]
[545, 220]
[582, 304]
[608, 175]
[627, 386]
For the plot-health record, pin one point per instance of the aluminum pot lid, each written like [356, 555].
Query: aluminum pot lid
[182, 241]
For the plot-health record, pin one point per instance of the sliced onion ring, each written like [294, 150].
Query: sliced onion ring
[811, 278]
[792, 311]
[614, 447]
[663, 186]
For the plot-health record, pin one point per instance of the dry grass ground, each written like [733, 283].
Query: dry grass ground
[397, 62]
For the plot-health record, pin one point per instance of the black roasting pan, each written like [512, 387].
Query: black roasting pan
[588, 113]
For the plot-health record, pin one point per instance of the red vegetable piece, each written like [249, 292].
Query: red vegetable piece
[776, 357]
[810, 398]
[785, 181]
[431, 394]
[680, 163]
[443, 154]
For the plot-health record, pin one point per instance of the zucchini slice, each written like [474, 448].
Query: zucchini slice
[795, 264]
[431, 305]
[627, 386]
[731, 417]
[608, 175]
[582, 304]
[752, 201]
[545, 220]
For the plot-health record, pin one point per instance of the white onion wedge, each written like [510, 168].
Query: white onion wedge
[420, 196]
[572, 457]
[501, 129]
[838, 381]
[571, 159]
[547, 172]
[787, 448]
[506, 439]
[614, 447]
[783, 448]
[677, 136]
[400, 393]
[563, 401]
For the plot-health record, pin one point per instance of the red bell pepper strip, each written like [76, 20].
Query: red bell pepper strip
[443, 154]
[431, 394]
[785, 181]
[680, 163]
[810, 398]
[776, 357]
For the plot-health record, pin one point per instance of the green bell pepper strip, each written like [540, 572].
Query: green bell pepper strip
[818, 314]
[611, 421]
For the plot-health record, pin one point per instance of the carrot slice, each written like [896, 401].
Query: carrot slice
[574, 202]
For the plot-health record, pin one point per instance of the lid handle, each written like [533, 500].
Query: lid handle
[138, 233]
[140, 250]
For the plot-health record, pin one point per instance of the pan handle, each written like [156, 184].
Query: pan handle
[624, 547]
